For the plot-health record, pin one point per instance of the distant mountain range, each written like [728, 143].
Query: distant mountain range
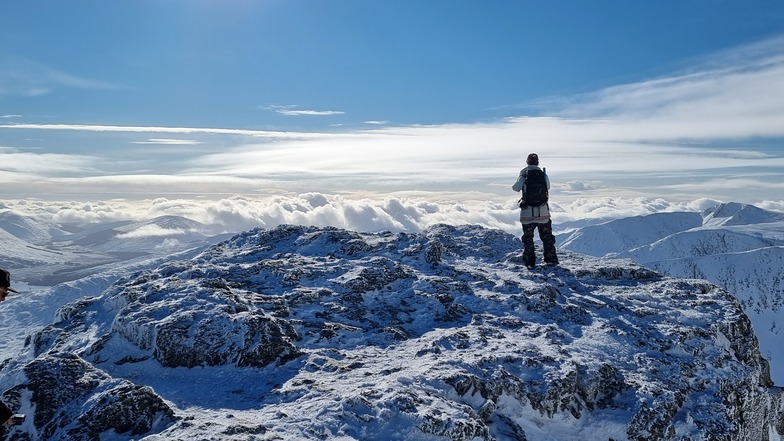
[44, 254]
[739, 247]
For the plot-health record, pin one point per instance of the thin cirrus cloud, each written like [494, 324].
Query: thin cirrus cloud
[293, 110]
[733, 94]
[652, 137]
[20, 76]
[168, 141]
[657, 136]
[23, 165]
[271, 134]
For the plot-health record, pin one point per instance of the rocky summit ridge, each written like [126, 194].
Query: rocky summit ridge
[300, 333]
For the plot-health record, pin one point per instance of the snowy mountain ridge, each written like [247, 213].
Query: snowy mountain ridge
[739, 247]
[733, 213]
[298, 333]
[44, 253]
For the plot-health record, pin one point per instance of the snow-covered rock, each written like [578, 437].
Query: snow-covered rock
[300, 333]
[77, 402]
[739, 247]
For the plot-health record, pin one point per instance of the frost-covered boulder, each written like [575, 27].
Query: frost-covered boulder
[200, 326]
[300, 333]
[72, 400]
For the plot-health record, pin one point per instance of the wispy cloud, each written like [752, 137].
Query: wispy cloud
[293, 110]
[629, 140]
[151, 231]
[44, 162]
[21, 76]
[168, 141]
[733, 94]
[176, 130]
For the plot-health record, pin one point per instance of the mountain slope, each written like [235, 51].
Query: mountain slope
[757, 279]
[301, 333]
[139, 237]
[733, 213]
[737, 247]
[27, 228]
[707, 241]
[45, 255]
[628, 233]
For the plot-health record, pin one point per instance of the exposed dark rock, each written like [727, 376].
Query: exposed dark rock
[69, 394]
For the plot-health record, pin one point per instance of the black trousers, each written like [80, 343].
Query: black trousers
[548, 241]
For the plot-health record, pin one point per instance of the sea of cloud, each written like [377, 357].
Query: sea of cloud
[391, 212]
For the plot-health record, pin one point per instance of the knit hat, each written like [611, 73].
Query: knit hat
[533, 159]
[5, 280]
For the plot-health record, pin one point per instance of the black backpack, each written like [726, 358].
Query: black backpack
[535, 191]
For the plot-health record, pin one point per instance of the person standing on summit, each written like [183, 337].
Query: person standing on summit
[534, 211]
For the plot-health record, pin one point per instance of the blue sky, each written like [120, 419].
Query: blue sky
[235, 63]
[441, 99]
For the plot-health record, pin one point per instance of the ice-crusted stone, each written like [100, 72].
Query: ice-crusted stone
[246, 339]
[204, 323]
[74, 401]
[443, 335]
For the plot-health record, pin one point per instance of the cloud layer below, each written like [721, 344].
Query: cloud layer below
[412, 213]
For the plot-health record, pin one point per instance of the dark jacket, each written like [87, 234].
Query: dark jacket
[532, 215]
